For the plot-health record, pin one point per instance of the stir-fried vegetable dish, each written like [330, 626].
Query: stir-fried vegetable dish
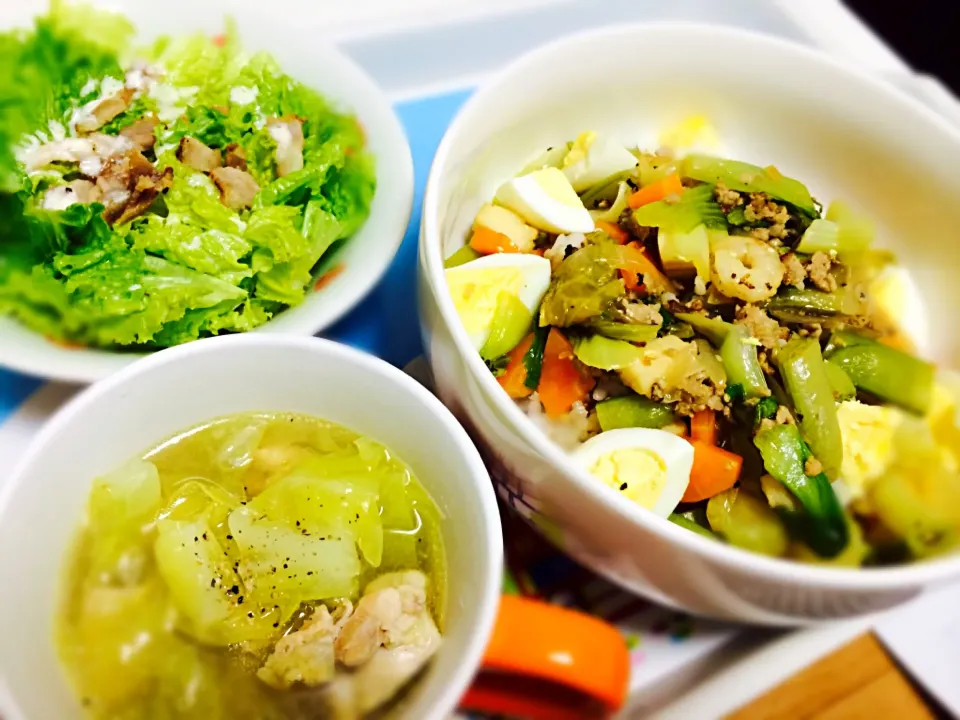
[152, 196]
[713, 344]
[261, 566]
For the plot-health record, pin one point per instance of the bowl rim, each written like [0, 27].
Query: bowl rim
[82, 364]
[489, 568]
[729, 557]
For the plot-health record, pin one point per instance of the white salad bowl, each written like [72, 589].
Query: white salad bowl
[844, 133]
[42, 504]
[300, 53]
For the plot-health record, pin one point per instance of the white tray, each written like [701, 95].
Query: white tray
[428, 55]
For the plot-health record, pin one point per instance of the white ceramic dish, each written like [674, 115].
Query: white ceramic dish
[367, 254]
[843, 132]
[113, 420]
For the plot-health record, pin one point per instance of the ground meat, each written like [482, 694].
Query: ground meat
[761, 326]
[819, 271]
[699, 397]
[728, 199]
[793, 271]
[763, 209]
[638, 313]
[670, 371]
[814, 330]
[784, 416]
[764, 359]
[812, 466]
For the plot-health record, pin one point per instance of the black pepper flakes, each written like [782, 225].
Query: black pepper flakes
[623, 487]
[240, 600]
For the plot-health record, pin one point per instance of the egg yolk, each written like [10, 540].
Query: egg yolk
[581, 146]
[639, 474]
[475, 293]
[867, 432]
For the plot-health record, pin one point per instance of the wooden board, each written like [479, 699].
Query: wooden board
[857, 681]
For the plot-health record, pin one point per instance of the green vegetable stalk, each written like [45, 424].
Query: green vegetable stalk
[740, 361]
[633, 411]
[808, 384]
[685, 520]
[745, 177]
[461, 257]
[784, 456]
[738, 354]
[511, 323]
[603, 353]
[889, 374]
[696, 206]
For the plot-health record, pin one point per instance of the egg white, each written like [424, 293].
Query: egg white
[675, 452]
[541, 208]
[604, 157]
[534, 271]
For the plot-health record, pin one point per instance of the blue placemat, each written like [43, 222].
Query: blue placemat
[385, 324]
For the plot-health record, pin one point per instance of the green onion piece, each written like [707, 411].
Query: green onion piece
[533, 358]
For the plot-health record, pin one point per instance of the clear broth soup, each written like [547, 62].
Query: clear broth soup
[263, 565]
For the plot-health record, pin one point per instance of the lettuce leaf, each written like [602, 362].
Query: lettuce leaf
[44, 70]
[190, 267]
[213, 252]
[193, 199]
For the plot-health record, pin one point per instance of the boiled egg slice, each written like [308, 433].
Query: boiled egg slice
[547, 201]
[476, 286]
[594, 158]
[649, 467]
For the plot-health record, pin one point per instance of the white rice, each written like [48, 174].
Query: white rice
[568, 432]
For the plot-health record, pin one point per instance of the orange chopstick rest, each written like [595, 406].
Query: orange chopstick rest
[545, 662]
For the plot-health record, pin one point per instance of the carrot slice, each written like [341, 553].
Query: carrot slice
[703, 427]
[670, 185]
[614, 231]
[327, 277]
[640, 264]
[561, 381]
[714, 470]
[515, 375]
[487, 242]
